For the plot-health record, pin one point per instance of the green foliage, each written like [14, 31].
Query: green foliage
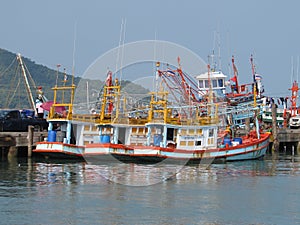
[12, 84]
[13, 92]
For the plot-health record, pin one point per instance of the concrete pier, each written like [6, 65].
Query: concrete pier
[13, 142]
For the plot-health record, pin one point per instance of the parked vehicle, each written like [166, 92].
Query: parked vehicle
[295, 122]
[19, 120]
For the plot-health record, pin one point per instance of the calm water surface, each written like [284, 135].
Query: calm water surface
[36, 191]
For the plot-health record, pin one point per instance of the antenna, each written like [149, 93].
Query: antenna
[74, 45]
[219, 51]
[228, 45]
[119, 49]
[122, 56]
[57, 72]
[155, 67]
[297, 68]
[213, 53]
[292, 69]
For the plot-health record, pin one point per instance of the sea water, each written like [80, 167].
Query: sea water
[37, 191]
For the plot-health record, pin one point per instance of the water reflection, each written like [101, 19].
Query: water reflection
[32, 172]
[196, 194]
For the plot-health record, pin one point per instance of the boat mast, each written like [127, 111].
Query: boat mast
[210, 94]
[235, 72]
[294, 90]
[30, 97]
[254, 81]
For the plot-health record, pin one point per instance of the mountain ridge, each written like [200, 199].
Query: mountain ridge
[13, 90]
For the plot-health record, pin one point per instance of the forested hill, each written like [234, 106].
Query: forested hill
[13, 92]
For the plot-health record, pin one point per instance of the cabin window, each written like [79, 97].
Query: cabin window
[191, 131]
[158, 131]
[183, 131]
[211, 133]
[94, 128]
[200, 84]
[210, 141]
[106, 130]
[141, 130]
[190, 143]
[206, 84]
[221, 83]
[133, 130]
[198, 143]
[199, 131]
[183, 143]
[214, 83]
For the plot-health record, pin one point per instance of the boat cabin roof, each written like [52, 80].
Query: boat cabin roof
[212, 75]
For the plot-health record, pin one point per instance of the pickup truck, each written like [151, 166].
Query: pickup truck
[19, 120]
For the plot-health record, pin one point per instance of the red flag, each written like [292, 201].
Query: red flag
[234, 79]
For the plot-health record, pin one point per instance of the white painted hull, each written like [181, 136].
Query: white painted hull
[59, 150]
[250, 149]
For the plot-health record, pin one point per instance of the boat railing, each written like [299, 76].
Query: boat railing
[138, 121]
[63, 115]
[91, 118]
[208, 120]
[62, 111]
[173, 120]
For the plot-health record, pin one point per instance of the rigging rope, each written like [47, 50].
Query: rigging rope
[9, 98]
[13, 95]
[2, 73]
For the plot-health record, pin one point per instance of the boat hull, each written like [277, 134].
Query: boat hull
[251, 149]
[96, 153]
[59, 150]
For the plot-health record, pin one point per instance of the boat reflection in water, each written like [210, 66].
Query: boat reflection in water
[107, 193]
[133, 174]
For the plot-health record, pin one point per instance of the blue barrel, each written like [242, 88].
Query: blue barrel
[227, 141]
[157, 139]
[51, 135]
[104, 138]
[238, 139]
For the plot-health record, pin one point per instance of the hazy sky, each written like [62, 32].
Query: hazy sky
[44, 32]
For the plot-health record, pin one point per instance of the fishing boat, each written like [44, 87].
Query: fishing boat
[194, 138]
[176, 124]
[62, 141]
[186, 131]
[78, 136]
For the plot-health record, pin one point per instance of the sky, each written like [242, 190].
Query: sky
[47, 31]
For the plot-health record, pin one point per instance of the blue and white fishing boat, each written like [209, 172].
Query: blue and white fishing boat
[194, 138]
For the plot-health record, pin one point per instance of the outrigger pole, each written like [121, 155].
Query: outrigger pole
[19, 58]
[235, 79]
[254, 81]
